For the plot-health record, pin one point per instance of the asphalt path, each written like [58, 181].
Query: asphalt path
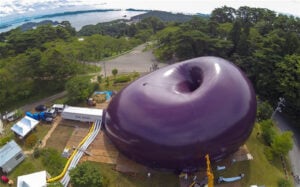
[138, 60]
[30, 106]
[294, 154]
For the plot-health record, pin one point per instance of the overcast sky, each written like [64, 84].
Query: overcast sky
[10, 7]
[206, 6]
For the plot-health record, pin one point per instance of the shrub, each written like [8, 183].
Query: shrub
[86, 174]
[36, 153]
[264, 111]
[31, 140]
[135, 75]
[269, 154]
[268, 132]
[4, 140]
[284, 183]
[114, 72]
[122, 79]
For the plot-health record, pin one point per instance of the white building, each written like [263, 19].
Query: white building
[82, 114]
[10, 156]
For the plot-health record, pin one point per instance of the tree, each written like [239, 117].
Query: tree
[282, 144]
[264, 111]
[114, 72]
[288, 82]
[86, 174]
[79, 88]
[268, 132]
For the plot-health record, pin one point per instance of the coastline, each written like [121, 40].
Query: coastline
[78, 18]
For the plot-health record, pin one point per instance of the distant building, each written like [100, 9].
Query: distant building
[10, 156]
[37, 179]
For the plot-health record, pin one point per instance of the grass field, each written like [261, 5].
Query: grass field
[60, 137]
[258, 171]
[117, 179]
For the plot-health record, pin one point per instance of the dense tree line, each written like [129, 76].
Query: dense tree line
[41, 60]
[266, 45]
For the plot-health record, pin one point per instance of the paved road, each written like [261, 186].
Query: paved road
[136, 60]
[30, 106]
[295, 152]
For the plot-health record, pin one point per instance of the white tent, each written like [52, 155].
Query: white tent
[37, 179]
[24, 126]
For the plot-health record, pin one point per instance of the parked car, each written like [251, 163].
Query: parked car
[41, 108]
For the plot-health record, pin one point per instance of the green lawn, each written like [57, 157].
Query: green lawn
[258, 171]
[157, 179]
[60, 137]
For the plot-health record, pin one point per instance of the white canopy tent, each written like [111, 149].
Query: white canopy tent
[37, 179]
[24, 126]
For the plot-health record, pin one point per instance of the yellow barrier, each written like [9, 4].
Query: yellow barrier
[53, 179]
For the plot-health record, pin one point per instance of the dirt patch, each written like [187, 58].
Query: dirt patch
[77, 136]
[102, 150]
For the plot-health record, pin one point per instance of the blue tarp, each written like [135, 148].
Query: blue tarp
[107, 93]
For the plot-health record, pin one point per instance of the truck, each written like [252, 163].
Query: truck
[40, 116]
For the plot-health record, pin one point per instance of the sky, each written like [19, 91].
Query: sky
[19, 7]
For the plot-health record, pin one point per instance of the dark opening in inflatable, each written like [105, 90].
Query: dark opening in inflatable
[193, 81]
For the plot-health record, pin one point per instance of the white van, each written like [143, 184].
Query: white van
[58, 107]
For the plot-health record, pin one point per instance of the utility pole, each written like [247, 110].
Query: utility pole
[280, 104]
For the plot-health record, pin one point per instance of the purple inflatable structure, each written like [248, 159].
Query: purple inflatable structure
[172, 117]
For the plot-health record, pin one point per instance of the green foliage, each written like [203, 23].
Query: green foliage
[53, 161]
[114, 71]
[36, 152]
[282, 144]
[79, 88]
[268, 132]
[86, 174]
[99, 79]
[264, 111]
[264, 45]
[30, 140]
[39, 61]
[164, 16]
[55, 184]
[284, 183]
[122, 79]
[4, 140]
[19, 113]
[269, 154]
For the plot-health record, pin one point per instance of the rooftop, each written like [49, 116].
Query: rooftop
[8, 151]
[39, 180]
[80, 110]
[24, 126]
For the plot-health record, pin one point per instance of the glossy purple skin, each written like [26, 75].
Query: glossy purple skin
[172, 117]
